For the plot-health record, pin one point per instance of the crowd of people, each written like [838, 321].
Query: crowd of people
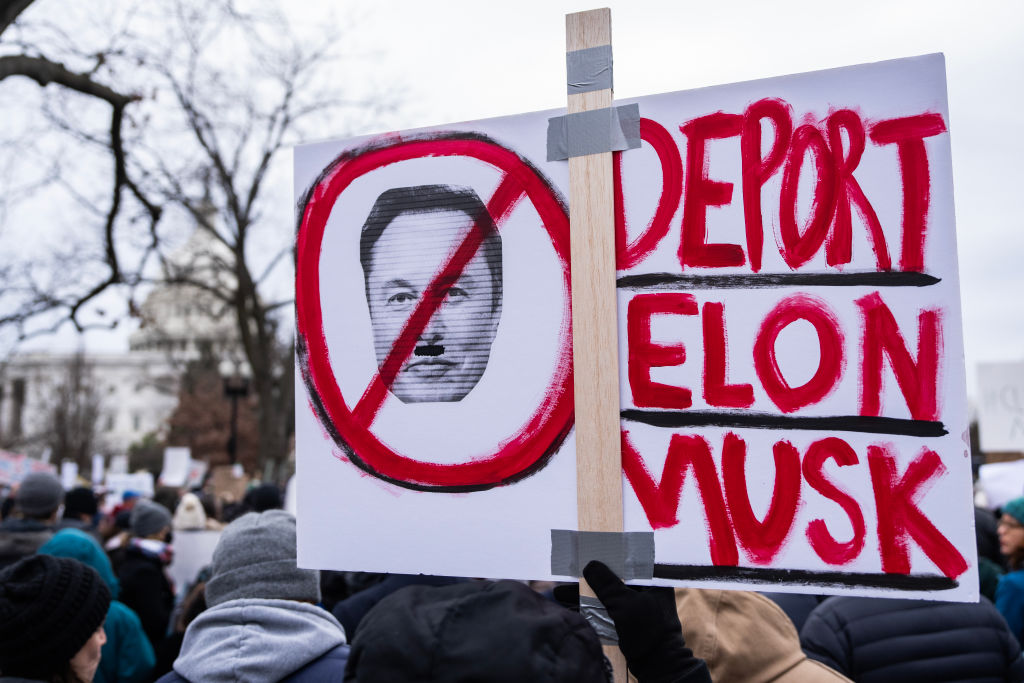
[182, 588]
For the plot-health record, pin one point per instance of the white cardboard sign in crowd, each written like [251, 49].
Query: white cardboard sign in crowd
[1001, 408]
[791, 361]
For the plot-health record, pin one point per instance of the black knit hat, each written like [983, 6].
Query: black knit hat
[49, 608]
[499, 632]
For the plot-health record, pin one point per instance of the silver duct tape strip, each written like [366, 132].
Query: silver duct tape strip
[608, 129]
[629, 554]
[597, 616]
[589, 69]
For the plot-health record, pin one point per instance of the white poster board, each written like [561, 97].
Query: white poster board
[791, 359]
[139, 482]
[177, 461]
[1001, 482]
[97, 472]
[69, 474]
[1001, 408]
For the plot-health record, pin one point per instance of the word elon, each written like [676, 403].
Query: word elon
[835, 146]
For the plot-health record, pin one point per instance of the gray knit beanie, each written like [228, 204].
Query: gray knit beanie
[255, 558]
[148, 518]
[39, 495]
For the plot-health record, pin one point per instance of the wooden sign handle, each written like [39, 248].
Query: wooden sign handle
[595, 316]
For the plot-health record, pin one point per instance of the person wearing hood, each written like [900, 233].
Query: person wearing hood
[127, 656]
[261, 621]
[140, 567]
[744, 636]
[36, 510]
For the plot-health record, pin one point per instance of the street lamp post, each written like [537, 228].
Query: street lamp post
[236, 386]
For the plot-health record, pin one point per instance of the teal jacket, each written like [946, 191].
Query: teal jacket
[1010, 601]
[127, 655]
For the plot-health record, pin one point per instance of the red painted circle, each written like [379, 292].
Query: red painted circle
[542, 434]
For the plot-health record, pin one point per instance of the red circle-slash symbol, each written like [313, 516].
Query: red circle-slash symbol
[524, 452]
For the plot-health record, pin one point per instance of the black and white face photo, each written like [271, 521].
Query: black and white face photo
[409, 236]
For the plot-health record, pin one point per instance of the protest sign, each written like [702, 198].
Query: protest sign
[176, 466]
[1001, 482]
[14, 467]
[97, 472]
[139, 482]
[69, 474]
[792, 398]
[1001, 407]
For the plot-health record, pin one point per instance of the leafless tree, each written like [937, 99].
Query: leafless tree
[203, 97]
[71, 428]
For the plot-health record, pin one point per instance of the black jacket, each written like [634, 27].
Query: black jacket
[20, 538]
[875, 640]
[145, 588]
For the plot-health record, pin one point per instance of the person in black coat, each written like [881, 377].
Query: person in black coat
[875, 640]
[140, 569]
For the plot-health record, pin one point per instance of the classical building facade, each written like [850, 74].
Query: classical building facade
[132, 393]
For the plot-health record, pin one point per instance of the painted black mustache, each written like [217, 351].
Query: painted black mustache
[429, 350]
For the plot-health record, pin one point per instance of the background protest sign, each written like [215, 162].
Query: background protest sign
[792, 382]
[1001, 408]
[14, 467]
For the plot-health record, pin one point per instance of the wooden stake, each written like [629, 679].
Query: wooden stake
[595, 316]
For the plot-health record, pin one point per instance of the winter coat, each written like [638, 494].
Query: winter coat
[875, 640]
[259, 640]
[1010, 601]
[744, 636]
[127, 656]
[145, 588]
[20, 538]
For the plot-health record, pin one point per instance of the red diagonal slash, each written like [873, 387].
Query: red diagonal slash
[509, 192]
[514, 456]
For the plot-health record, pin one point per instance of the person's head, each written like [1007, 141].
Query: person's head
[189, 515]
[743, 636]
[80, 504]
[410, 234]
[1011, 532]
[39, 496]
[263, 497]
[51, 619]
[255, 558]
[82, 546]
[474, 631]
[150, 520]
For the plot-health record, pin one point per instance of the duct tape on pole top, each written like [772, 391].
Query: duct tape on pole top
[589, 69]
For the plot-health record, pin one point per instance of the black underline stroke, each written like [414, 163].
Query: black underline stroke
[803, 577]
[837, 423]
[673, 281]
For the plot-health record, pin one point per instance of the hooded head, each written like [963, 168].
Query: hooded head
[189, 515]
[255, 558]
[78, 545]
[476, 631]
[744, 636]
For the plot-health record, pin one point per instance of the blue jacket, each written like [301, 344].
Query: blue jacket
[1010, 601]
[874, 640]
[127, 656]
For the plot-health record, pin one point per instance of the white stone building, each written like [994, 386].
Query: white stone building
[137, 390]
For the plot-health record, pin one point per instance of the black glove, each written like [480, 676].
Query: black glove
[650, 635]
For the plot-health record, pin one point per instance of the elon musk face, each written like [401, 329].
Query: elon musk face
[410, 234]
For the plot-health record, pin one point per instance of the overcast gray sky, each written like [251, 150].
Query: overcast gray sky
[463, 59]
